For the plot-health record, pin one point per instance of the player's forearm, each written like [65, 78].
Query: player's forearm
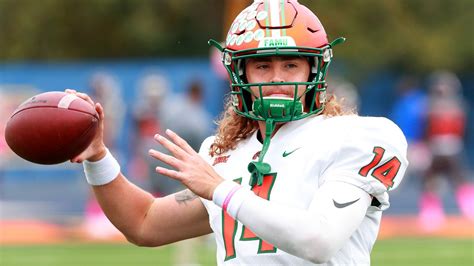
[298, 232]
[126, 206]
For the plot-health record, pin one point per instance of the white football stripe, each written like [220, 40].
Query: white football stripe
[67, 100]
[275, 17]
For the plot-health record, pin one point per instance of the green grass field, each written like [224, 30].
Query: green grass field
[406, 252]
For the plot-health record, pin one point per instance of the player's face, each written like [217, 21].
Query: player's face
[276, 69]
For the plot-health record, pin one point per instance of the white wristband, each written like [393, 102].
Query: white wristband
[229, 196]
[103, 171]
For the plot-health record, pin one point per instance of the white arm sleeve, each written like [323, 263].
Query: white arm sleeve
[315, 234]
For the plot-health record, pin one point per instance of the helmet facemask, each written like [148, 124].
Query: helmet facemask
[280, 109]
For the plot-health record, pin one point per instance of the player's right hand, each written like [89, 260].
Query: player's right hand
[97, 149]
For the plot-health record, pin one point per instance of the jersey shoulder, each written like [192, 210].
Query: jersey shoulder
[361, 122]
[368, 152]
[366, 129]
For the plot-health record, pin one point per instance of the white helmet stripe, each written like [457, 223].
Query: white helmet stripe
[275, 17]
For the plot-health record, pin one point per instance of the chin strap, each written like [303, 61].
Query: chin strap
[259, 169]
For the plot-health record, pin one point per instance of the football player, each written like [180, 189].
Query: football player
[288, 179]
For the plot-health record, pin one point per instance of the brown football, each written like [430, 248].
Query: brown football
[51, 127]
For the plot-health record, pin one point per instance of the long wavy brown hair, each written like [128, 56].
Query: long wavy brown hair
[233, 128]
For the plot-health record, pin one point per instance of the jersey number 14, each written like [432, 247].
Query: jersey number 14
[229, 224]
[386, 172]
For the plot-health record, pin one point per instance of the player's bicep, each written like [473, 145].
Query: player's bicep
[342, 206]
[334, 195]
[176, 217]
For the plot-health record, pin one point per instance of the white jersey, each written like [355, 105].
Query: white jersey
[367, 152]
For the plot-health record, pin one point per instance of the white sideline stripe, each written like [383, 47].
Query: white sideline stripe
[275, 17]
[66, 101]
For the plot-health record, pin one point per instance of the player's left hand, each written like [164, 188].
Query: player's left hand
[190, 169]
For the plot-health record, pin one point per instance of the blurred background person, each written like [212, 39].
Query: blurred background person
[445, 130]
[105, 87]
[150, 92]
[153, 96]
[158, 109]
[409, 112]
[190, 118]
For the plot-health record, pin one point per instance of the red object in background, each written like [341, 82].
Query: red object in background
[51, 127]
[446, 122]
